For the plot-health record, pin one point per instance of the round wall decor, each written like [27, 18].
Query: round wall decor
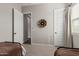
[42, 23]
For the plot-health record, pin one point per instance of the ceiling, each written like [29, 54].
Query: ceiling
[27, 4]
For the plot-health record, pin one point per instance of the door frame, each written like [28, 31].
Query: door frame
[31, 25]
[13, 25]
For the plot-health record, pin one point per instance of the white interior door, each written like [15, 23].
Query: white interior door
[18, 26]
[58, 27]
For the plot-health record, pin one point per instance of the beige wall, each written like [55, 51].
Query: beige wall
[6, 21]
[42, 11]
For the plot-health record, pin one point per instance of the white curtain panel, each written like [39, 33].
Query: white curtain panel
[67, 27]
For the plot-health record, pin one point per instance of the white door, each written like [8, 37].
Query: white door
[18, 26]
[58, 27]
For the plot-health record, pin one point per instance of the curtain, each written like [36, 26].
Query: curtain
[67, 27]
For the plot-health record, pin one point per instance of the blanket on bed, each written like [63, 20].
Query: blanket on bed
[10, 49]
[63, 51]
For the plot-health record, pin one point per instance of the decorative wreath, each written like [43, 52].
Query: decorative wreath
[42, 23]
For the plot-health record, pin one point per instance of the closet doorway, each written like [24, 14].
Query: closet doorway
[27, 28]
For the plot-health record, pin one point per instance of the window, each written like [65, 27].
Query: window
[75, 26]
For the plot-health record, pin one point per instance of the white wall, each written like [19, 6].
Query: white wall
[6, 21]
[42, 11]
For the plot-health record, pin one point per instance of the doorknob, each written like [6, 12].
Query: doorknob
[55, 32]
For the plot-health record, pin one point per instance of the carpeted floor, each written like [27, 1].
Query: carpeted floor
[39, 50]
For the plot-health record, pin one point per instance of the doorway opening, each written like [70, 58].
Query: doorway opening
[27, 28]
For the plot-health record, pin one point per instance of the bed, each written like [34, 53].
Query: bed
[65, 51]
[12, 49]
